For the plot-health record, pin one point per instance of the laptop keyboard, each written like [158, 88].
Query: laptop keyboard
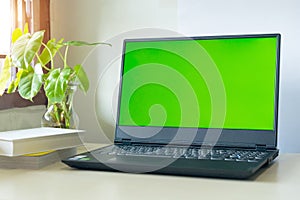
[189, 153]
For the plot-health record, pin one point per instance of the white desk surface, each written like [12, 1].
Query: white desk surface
[280, 181]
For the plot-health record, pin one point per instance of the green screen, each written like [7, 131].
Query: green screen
[208, 83]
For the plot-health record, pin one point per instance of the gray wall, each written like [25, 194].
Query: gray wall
[20, 118]
[112, 20]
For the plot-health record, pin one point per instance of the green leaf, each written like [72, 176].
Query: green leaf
[25, 48]
[14, 84]
[18, 49]
[26, 28]
[82, 77]
[82, 43]
[30, 83]
[56, 84]
[33, 46]
[16, 34]
[51, 46]
[11, 88]
[5, 74]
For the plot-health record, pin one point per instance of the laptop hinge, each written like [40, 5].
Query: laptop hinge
[126, 141]
[261, 147]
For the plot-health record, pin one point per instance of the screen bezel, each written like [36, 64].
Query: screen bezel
[225, 137]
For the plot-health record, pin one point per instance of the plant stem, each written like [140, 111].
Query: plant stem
[65, 57]
[60, 55]
[39, 59]
[51, 56]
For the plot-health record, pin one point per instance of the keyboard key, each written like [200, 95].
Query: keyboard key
[229, 159]
[252, 160]
[216, 158]
[203, 157]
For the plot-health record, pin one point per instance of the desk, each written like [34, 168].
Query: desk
[280, 181]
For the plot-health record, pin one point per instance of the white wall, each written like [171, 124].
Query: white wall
[112, 20]
[105, 20]
[203, 17]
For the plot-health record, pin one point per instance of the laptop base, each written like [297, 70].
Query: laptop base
[171, 166]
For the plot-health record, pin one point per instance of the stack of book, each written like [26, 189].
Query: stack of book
[38, 147]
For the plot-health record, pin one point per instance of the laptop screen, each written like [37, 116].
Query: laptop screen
[225, 82]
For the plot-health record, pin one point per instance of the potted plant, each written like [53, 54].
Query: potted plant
[34, 61]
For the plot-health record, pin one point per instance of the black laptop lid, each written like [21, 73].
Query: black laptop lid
[216, 90]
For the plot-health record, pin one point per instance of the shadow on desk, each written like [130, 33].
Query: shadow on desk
[267, 173]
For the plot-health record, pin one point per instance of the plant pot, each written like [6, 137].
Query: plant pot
[62, 114]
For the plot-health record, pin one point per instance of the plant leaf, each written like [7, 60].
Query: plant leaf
[56, 84]
[53, 46]
[26, 28]
[5, 74]
[18, 49]
[30, 84]
[82, 43]
[33, 46]
[25, 48]
[82, 77]
[14, 84]
[16, 34]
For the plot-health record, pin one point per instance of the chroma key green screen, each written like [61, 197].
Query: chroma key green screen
[189, 83]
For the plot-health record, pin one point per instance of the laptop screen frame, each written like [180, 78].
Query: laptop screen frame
[217, 137]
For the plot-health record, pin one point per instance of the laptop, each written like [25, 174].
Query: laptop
[194, 106]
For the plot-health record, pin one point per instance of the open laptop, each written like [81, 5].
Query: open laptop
[195, 106]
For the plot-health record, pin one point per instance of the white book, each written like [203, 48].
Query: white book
[36, 161]
[26, 141]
